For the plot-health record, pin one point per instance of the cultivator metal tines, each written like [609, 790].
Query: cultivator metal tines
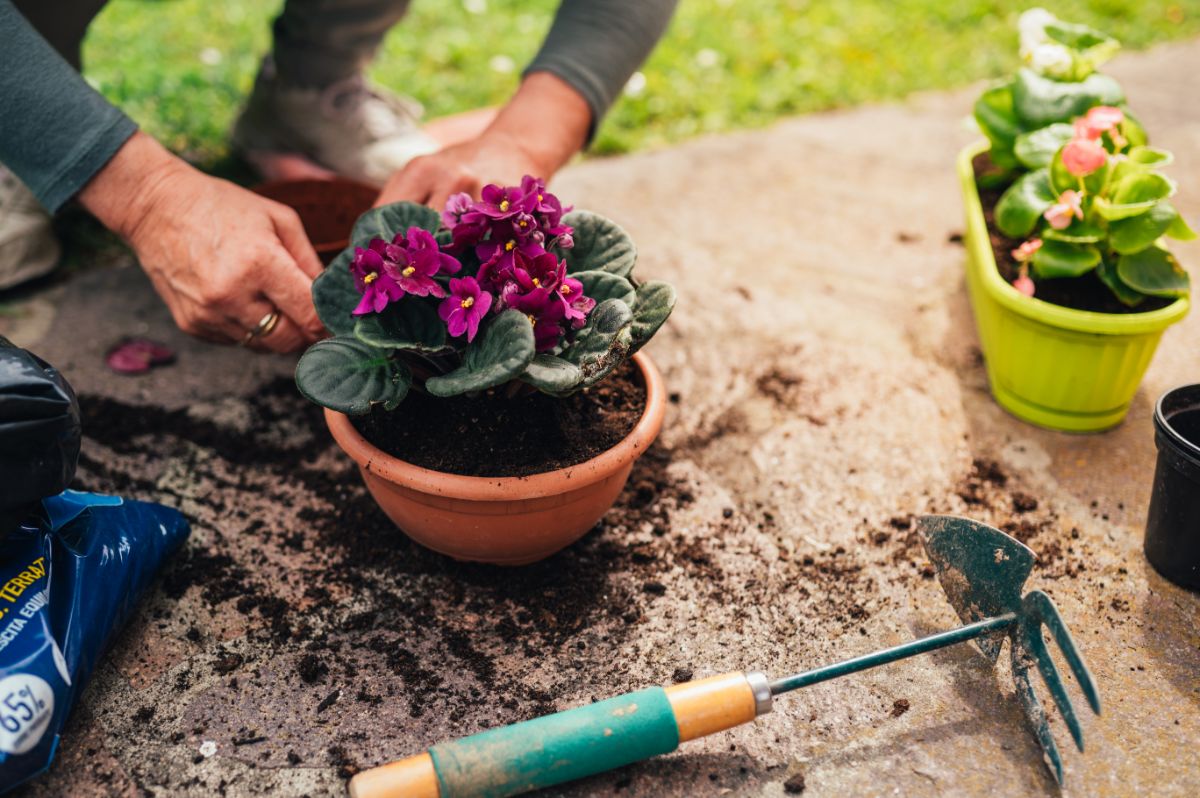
[982, 571]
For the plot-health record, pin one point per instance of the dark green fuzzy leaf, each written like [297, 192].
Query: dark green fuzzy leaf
[553, 375]
[1153, 271]
[604, 343]
[386, 221]
[349, 376]
[502, 352]
[1107, 272]
[600, 244]
[411, 323]
[1060, 259]
[1020, 207]
[1138, 232]
[1036, 148]
[1040, 101]
[995, 117]
[654, 303]
[600, 285]
[335, 296]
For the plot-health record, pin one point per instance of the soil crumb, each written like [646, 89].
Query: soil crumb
[794, 785]
[900, 706]
[490, 435]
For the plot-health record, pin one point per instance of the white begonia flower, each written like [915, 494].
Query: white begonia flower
[1034, 21]
[1032, 28]
[1052, 61]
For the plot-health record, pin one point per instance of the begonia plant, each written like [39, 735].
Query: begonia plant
[508, 291]
[1087, 192]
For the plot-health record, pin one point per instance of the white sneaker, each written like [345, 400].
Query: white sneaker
[28, 248]
[352, 128]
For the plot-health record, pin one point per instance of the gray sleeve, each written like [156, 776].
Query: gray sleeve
[56, 131]
[595, 45]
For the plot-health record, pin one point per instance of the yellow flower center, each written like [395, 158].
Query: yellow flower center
[537, 283]
[565, 289]
[540, 198]
[503, 205]
[509, 246]
[468, 302]
[531, 318]
[370, 278]
[409, 271]
[523, 224]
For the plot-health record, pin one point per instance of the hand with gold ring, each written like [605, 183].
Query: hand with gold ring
[232, 267]
[261, 330]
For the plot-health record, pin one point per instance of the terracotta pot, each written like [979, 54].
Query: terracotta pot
[328, 209]
[503, 520]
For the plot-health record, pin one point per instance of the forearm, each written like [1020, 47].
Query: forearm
[119, 195]
[56, 131]
[595, 45]
[548, 119]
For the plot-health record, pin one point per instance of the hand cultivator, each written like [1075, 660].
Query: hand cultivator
[982, 571]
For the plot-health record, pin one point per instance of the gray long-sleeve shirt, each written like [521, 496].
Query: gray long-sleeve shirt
[56, 131]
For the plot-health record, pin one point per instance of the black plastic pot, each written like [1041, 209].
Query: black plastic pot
[1173, 527]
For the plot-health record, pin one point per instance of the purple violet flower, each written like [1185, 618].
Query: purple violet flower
[543, 271]
[498, 203]
[524, 225]
[545, 313]
[457, 205]
[372, 281]
[576, 306]
[465, 307]
[413, 259]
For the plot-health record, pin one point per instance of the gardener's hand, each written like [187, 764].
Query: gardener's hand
[541, 127]
[221, 257]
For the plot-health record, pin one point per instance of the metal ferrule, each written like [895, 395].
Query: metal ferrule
[760, 685]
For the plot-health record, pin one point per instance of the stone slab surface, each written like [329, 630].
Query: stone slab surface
[828, 386]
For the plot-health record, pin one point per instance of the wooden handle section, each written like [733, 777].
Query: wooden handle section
[567, 745]
[711, 705]
[409, 778]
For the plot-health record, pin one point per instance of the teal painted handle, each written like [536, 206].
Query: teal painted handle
[557, 748]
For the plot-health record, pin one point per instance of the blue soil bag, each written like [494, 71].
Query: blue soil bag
[72, 565]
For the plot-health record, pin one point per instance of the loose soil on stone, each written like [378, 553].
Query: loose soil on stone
[1081, 293]
[491, 435]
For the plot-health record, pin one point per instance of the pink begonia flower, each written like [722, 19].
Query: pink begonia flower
[1061, 213]
[1024, 285]
[1081, 157]
[1104, 118]
[1024, 253]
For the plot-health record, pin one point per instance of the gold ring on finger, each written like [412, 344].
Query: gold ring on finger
[264, 327]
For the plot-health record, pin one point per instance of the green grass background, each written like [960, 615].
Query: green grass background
[181, 67]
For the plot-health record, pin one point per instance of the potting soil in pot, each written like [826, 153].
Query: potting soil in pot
[492, 435]
[1081, 293]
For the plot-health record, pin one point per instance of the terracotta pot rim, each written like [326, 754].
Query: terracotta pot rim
[534, 486]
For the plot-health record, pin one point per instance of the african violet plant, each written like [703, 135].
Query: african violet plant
[511, 290]
[1088, 193]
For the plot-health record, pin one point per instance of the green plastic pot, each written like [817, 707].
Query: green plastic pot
[1059, 368]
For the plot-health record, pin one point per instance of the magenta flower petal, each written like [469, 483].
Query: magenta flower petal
[138, 355]
[463, 309]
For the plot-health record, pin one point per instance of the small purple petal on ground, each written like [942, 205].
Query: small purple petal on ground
[138, 355]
